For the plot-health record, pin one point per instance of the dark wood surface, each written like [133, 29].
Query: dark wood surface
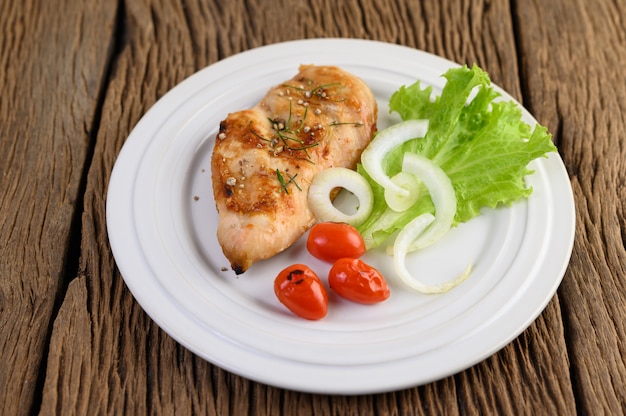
[76, 76]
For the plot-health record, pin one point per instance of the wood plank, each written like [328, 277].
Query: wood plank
[53, 61]
[129, 365]
[576, 87]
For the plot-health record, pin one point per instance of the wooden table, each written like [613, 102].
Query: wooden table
[75, 78]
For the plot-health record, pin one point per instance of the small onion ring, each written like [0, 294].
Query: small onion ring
[401, 202]
[384, 142]
[400, 248]
[323, 184]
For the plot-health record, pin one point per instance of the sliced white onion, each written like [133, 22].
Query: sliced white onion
[441, 192]
[401, 202]
[385, 141]
[326, 181]
[404, 239]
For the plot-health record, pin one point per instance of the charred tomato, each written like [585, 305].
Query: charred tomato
[357, 281]
[300, 289]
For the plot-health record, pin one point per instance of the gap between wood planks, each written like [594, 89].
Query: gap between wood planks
[557, 137]
[72, 259]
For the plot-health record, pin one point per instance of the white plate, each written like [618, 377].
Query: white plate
[161, 222]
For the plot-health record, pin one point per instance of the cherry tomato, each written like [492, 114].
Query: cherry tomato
[301, 291]
[357, 281]
[330, 241]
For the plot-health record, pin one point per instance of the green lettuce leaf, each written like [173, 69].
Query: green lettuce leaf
[482, 144]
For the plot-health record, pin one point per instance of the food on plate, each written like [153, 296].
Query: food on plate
[451, 156]
[266, 157]
[300, 289]
[477, 138]
[355, 280]
[330, 241]
[324, 188]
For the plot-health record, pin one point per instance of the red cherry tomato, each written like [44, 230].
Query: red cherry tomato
[301, 291]
[357, 281]
[330, 241]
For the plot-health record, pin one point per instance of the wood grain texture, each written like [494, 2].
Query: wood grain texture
[80, 343]
[53, 66]
[577, 90]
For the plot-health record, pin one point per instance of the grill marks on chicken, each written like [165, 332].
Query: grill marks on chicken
[265, 158]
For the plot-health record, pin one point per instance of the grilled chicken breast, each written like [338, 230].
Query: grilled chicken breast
[265, 158]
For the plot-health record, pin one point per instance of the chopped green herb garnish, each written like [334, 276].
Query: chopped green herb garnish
[284, 184]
